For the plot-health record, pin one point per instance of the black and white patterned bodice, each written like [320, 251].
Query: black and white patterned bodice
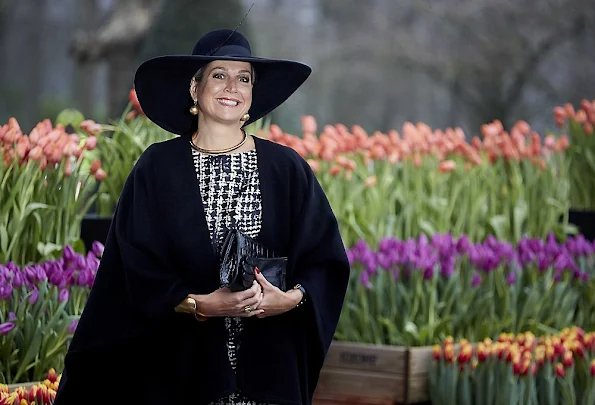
[230, 192]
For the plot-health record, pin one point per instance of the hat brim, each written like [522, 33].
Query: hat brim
[162, 87]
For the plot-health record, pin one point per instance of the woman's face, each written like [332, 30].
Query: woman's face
[225, 91]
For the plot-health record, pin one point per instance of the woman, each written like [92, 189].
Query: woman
[161, 322]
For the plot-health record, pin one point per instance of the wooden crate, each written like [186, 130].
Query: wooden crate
[355, 373]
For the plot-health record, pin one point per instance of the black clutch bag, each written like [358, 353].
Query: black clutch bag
[241, 254]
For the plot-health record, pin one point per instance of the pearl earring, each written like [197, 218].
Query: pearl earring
[194, 109]
[245, 117]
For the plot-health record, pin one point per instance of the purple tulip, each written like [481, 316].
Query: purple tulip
[6, 327]
[369, 261]
[72, 327]
[30, 273]
[552, 248]
[12, 316]
[364, 279]
[83, 278]
[476, 280]
[447, 267]
[350, 256]
[80, 261]
[97, 248]
[19, 279]
[63, 296]
[428, 272]
[463, 244]
[34, 296]
[5, 291]
[562, 262]
[511, 278]
[12, 267]
[68, 253]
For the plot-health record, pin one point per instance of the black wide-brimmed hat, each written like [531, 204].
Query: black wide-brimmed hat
[162, 84]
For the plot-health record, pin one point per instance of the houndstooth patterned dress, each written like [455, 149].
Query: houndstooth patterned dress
[231, 197]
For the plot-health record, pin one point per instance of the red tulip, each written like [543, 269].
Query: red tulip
[560, 371]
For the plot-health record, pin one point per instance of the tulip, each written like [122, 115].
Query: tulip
[436, 352]
[34, 296]
[560, 371]
[72, 326]
[100, 175]
[63, 296]
[6, 327]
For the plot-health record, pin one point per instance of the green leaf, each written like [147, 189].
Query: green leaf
[48, 248]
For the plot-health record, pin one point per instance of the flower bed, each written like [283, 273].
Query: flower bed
[516, 369]
[46, 178]
[42, 393]
[39, 309]
[415, 292]
[581, 151]
[507, 183]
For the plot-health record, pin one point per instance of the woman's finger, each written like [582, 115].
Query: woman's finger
[262, 279]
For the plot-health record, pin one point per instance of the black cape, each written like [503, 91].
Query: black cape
[158, 250]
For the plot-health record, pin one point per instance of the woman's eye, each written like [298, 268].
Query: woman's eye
[245, 79]
[218, 75]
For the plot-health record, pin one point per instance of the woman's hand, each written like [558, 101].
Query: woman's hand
[224, 302]
[275, 301]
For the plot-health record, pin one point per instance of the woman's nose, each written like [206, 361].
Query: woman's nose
[231, 86]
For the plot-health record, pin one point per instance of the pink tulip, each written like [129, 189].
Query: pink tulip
[91, 143]
[309, 124]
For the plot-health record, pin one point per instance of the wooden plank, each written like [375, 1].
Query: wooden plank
[420, 359]
[360, 356]
[420, 363]
[359, 387]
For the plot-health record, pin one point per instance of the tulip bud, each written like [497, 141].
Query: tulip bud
[482, 353]
[568, 359]
[100, 175]
[370, 181]
[314, 165]
[335, 170]
[436, 352]
[592, 368]
[6, 327]
[465, 354]
[63, 296]
[560, 371]
[52, 376]
[449, 353]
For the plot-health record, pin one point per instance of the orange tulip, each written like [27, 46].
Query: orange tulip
[447, 166]
[569, 110]
[371, 181]
[309, 124]
[314, 165]
[91, 127]
[100, 174]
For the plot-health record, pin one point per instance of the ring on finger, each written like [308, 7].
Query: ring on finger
[247, 309]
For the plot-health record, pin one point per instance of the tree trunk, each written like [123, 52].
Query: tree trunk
[85, 72]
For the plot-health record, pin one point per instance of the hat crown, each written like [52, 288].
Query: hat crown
[223, 42]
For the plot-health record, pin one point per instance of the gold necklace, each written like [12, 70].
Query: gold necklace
[219, 151]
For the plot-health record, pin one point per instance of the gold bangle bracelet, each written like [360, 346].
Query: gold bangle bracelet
[194, 309]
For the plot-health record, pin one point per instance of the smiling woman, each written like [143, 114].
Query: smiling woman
[224, 269]
[222, 96]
